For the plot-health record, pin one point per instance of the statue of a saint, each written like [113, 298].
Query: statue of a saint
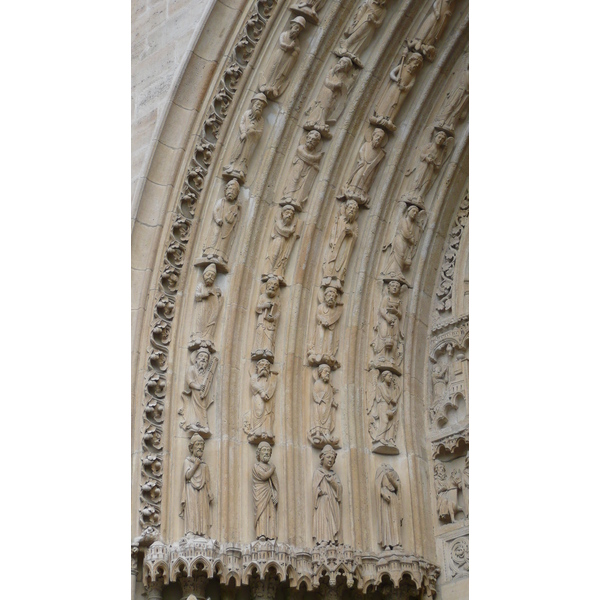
[197, 399]
[455, 105]
[327, 498]
[368, 18]
[432, 28]
[258, 422]
[282, 241]
[224, 219]
[331, 99]
[387, 488]
[265, 493]
[404, 245]
[324, 346]
[370, 156]
[303, 173]
[402, 80]
[210, 300]
[323, 409]
[439, 380]
[283, 60]
[446, 487]
[341, 241]
[386, 346]
[268, 310]
[197, 495]
[431, 159]
[308, 9]
[383, 412]
[251, 128]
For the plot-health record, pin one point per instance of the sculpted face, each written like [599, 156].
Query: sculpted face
[394, 288]
[413, 211]
[330, 297]
[387, 377]
[263, 368]
[232, 190]
[312, 139]
[324, 374]
[351, 210]
[377, 138]
[440, 470]
[329, 460]
[440, 138]
[257, 107]
[295, 30]
[272, 287]
[209, 278]
[202, 360]
[264, 455]
[287, 214]
[198, 448]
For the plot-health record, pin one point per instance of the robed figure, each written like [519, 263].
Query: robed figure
[324, 345]
[327, 498]
[282, 241]
[268, 310]
[404, 245]
[209, 299]
[341, 241]
[389, 508]
[432, 28]
[383, 413]
[258, 422]
[197, 496]
[368, 18]
[265, 493]
[455, 104]
[386, 346]
[323, 409]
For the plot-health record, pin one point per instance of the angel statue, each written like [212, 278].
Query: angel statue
[404, 245]
[431, 159]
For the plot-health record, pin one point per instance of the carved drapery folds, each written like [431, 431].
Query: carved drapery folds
[323, 409]
[284, 234]
[383, 403]
[389, 507]
[324, 346]
[268, 310]
[447, 487]
[327, 500]
[432, 28]
[259, 421]
[265, 494]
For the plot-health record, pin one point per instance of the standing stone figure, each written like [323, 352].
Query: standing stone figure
[439, 380]
[268, 310]
[404, 245]
[251, 128]
[224, 219]
[465, 486]
[309, 9]
[331, 99]
[324, 346]
[210, 301]
[455, 104]
[197, 399]
[283, 60]
[197, 495]
[432, 28]
[431, 159]
[303, 173]
[402, 80]
[370, 156]
[387, 488]
[265, 493]
[282, 241]
[341, 241]
[368, 18]
[323, 409]
[446, 487]
[386, 346]
[258, 422]
[383, 412]
[327, 498]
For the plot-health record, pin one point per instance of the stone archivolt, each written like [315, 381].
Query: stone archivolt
[298, 204]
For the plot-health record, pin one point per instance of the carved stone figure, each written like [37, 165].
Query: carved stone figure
[465, 486]
[283, 60]
[370, 156]
[265, 493]
[268, 310]
[282, 241]
[251, 128]
[402, 80]
[431, 159]
[323, 409]
[327, 498]
[432, 28]
[368, 18]
[386, 346]
[387, 488]
[439, 380]
[455, 105]
[258, 422]
[446, 487]
[224, 219]
[331, 99]
[383, 411]
[324, 346]
[210, 301]
[303, 173]
[308, 9]
[197, 495]
[404, 245]
[197, 399]
[341, 241]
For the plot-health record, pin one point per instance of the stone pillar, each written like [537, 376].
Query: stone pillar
[154, 590]
[193, 587]
[263, 589]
